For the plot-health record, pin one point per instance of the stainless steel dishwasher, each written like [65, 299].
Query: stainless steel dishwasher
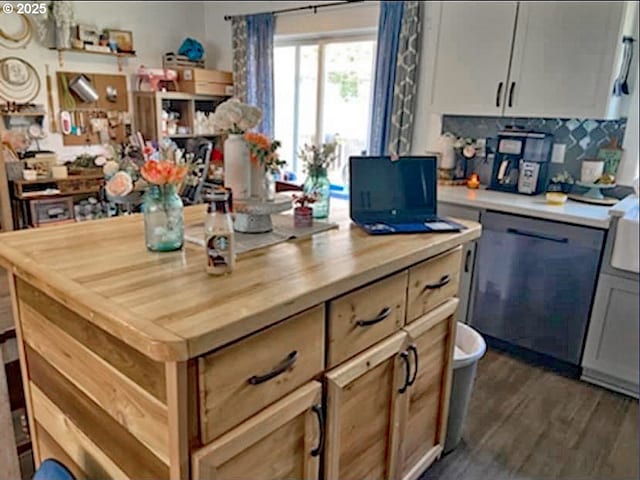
[534, 282]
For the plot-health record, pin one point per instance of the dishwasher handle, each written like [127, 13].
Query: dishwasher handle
[539, 236]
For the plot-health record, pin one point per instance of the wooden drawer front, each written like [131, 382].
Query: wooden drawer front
[235, 383]
[361, 318]
[432, 282]
[280, 443]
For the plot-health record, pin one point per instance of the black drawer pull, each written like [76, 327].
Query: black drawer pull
[513, 85]
[317, 409]
[282, 367]
[498, 93]
[445, 279]
[407, 372]
[384, 313]
[466, 261]
[414, 351]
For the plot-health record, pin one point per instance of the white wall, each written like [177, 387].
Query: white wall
[158, 27]
[359, 16]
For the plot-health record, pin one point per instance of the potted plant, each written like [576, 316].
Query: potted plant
[317, 159]
[303, 213]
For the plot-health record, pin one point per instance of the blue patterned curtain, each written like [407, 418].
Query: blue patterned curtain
[252, 42]
[389, 26]
[406, 80]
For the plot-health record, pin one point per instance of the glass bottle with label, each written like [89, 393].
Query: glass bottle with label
[218, 236]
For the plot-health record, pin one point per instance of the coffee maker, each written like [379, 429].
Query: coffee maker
[521, 162]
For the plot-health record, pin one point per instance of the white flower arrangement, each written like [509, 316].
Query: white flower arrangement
[235, 117]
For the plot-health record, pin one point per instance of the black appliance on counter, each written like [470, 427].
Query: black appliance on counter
[521, 162]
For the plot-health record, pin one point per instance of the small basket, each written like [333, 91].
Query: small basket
[173, 60]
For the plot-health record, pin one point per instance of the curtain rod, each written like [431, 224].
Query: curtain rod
[296, 9]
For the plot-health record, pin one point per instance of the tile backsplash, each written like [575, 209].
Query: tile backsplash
[582, 137]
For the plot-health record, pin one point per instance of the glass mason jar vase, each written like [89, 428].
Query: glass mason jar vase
[317, 183]
[163, 218]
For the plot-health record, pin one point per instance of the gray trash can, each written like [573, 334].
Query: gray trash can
[469, 348]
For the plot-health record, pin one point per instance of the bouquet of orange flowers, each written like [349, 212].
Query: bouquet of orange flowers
[264, 151]
[164, 172]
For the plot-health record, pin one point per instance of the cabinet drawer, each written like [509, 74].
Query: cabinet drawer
[361, 318]
[240, 380]
[432, 282]
[284, 441]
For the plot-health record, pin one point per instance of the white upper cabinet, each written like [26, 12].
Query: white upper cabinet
[563, 59]
[551, 59]
[471, 61]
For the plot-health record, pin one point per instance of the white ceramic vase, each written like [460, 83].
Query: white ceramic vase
[237, 166]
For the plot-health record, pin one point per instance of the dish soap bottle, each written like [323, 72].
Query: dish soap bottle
[218, 236]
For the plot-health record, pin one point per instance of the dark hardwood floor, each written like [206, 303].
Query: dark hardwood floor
[526, 423]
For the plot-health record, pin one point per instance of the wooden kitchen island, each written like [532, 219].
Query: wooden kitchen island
[321, 358]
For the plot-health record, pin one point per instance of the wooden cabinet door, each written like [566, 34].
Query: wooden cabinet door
[282, 442]
[363, 412]
[431, 340]
[563, 59]
[470, 64]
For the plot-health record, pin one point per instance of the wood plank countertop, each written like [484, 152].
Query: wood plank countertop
[167, 307]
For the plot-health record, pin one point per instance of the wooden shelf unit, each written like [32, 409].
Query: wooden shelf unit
[148, 107]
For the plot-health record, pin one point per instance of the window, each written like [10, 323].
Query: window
[323, 92]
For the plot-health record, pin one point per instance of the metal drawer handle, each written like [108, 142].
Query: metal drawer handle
[498, 94]
[407, 372]
[384, 313]
[445, 279]
[282, 367]
[317, 409]
[539, 236]
[414, 351]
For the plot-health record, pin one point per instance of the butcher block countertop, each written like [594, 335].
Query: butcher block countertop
[167, 307]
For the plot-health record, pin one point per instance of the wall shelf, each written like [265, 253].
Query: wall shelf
[119, 56]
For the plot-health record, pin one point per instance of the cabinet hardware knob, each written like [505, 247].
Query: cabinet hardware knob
[317, 409]
[384, 313]
[407, 371]
[445, 279]
[279, 369]
[413, 351]
[513, 85]
[498, 94]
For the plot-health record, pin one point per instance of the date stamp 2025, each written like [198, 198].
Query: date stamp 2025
[31, 8]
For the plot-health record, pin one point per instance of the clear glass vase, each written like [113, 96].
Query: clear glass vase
[163, 218]
[317, 183]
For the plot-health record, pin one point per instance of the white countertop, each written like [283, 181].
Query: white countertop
[532, 206]
[623, 206]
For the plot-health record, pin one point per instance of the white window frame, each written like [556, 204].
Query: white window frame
[321, 41]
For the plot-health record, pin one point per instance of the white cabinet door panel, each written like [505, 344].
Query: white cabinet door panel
[612, 341]
[473, 47]
[563, 56]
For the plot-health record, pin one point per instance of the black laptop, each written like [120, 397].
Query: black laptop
[396, 196]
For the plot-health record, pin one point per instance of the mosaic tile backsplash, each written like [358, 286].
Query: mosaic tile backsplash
[582, 138]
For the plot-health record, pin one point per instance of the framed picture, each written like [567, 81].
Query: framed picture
[88, 34]
[123, 40]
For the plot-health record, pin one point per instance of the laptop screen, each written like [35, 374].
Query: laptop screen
[382, 190]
